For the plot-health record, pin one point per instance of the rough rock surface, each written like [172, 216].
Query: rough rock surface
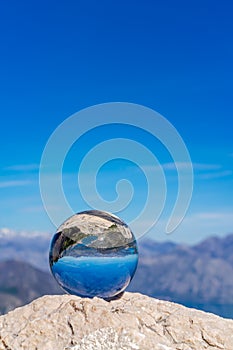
[133, 321]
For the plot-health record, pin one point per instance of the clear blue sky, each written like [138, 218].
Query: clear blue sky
[58, 57]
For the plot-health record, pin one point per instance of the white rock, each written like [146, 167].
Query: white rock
[133, 322]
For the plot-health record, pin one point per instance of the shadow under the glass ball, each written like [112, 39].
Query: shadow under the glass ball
[108, 299]
[115, 297]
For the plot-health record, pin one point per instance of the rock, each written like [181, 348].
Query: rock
[133, 321]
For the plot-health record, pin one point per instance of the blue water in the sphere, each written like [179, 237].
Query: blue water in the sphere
[95, 276]
[93, 253]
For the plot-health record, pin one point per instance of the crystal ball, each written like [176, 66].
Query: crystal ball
[93, 253]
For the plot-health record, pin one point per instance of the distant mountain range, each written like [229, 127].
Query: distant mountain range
[20, 283]
[200, 276]
[30, 247]
[201, 273]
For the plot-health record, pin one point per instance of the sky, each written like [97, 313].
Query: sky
[175, 57]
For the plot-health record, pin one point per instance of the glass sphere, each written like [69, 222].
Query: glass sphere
[93, 253]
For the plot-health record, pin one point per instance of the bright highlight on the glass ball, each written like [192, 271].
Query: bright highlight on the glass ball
[93, 253]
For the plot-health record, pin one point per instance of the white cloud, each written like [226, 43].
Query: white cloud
[185, 165]
[166, 166]
[15, 183]
[203, 171]
[206, 166]
[11, 233]
[215, 175]
[215, 216]
[23, 167]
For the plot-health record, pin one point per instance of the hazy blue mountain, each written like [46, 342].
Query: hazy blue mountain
[199, 276]
[20, 283]
[30, 247]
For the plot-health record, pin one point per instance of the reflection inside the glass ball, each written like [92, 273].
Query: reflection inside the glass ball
[93, 253]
